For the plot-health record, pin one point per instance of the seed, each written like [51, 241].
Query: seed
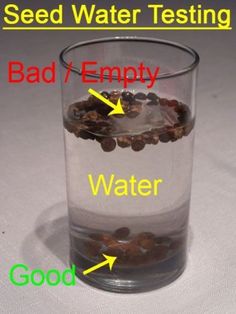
[121, 233]
[147, 244]
[155, 137]
[108, 144]
[92, 116]
[178, 133]
[141, 96]
[147, 137]
[114, 96]
[134, 110]
[124, 141]
[105, 94]
[114, 251]
[137, 143]
[127, 96]
[74, 112]
[173, 103]
[164, 137]
[152, 96]
[183, 113]
[145, 235]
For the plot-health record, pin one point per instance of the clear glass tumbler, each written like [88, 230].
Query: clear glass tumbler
[129, 175]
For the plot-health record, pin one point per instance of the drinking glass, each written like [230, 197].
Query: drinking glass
[128, 176]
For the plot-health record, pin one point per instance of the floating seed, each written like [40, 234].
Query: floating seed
[164, 137]
[124, 141]
[105, 94]
[152, 96]
[140, 96]
[127, 96]
[137, 143]
[108, 144]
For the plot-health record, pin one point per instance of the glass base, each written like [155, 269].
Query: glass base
[130, 280]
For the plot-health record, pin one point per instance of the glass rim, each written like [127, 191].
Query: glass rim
[186, 49]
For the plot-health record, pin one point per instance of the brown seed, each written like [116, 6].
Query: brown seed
[121, 233]
[164, 137]
[147, 244]
[147, 137]
[114, 96]
[108, 144]
[173, 103]
[124, 141]
[92, 248]
[114, 251]
[178, 132]
[152, 96]
[134, 110]
[141, 96]
[137, 143]
[108, 239]
[132, 250]
[143, 236]
[92, 116]
[155, 137]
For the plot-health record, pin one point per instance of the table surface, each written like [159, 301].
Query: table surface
[33, 214]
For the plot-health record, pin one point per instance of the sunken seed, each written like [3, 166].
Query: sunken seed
[147, 244]
[121, 233]
[108, 144]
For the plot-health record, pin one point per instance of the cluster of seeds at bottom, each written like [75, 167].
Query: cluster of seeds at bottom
[143, 248]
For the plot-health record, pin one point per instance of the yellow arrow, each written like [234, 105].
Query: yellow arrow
[108, 260]
[117, 109]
